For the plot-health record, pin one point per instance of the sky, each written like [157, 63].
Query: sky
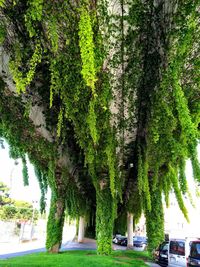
[11, 174]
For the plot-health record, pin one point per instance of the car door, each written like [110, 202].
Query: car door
[163, 254]
[177, 253]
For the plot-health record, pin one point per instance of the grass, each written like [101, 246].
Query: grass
[79, 259]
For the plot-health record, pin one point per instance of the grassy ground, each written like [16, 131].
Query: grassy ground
[78, 259]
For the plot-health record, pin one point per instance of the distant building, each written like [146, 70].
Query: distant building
[176, 226]
[175, 223]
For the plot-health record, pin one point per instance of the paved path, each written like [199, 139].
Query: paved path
[152, 264]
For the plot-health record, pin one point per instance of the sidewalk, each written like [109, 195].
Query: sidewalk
[9, 250]
[16, 248]
[152, 264]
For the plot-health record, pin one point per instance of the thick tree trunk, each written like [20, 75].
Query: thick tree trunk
[105, 213]
[81, 229]
[57, 212]
[129, 230]
[155, 226]
[55, 224]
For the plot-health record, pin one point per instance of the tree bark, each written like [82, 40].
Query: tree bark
[129, 230]
[81, 229]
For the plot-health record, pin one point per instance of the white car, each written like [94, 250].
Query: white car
[179, 250]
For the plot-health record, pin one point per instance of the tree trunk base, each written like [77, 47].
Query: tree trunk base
[81, 230]
[129, 247]
[54, 249]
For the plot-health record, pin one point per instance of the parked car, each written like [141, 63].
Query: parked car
[194, 255]
[124, 242]
[118, 239]
[161, 254]
[140, 242]
[175, 252]
[179, 250]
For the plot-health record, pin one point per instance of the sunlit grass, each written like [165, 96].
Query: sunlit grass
[79, 259]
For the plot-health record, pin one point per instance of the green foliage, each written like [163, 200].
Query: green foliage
[110, 151]
[4, 195]
[22, 203]
[182, 177]
[86, 44]
[2, 2]
[142, 180]
[22, 139]
[76, 206]
[145, 63]
[17, 210]
[166, 114]
[21, 81]
[195, 167]
[155, 221]
[10, 212]
[105, 215]
[51, 175]
[60, 121]
[55, 222]
[42, 179]
[92, 117]
[53, 33]
[120, 224]
[174, 180]
[33, 15]
[7, 212]
[2, 33]
[55, 80]
[25, 172]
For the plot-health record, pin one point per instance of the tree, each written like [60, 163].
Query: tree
[103, 96]
[11, 209]
[4, 195]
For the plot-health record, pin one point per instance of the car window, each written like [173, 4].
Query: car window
[164, 246]
[195, 250]
[139, 238]
[177, 247]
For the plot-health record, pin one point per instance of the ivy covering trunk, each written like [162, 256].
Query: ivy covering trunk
[105, 215]
[55, 223]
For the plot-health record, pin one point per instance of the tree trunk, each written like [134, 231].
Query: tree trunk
[105, 213]
[155, 226]
[81, 230]
[55, 224]
[130, 230]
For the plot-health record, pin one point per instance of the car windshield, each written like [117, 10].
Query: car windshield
[195, 250]
[177, 247]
